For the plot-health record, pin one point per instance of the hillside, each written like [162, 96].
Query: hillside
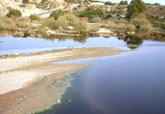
[28, 7]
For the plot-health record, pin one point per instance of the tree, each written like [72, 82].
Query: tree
[92, 12]
[34, 17]
[135, 8]
[57, 14]
[14, 13]
[109, 3]
[124, 2]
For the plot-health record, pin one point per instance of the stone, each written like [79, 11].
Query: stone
[104, 31]
[58, 101]
[70, 28]
[50, 32]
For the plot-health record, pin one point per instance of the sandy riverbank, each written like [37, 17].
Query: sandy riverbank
[30, 83]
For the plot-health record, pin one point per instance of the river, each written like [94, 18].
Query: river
[129, 83]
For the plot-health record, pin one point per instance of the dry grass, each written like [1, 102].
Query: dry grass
[7, 24]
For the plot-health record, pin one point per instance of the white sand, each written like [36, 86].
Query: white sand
[14, 80]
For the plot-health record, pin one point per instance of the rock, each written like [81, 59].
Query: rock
[21, 34]
[132, 33]
[70, 28]
[50, 32]
[58, 101]
[104, 31]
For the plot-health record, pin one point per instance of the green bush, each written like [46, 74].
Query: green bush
[109, 3]
[25, 1]
[92, 13]
[34, 17]
[14, 13]
[56, 14]
[124, 2]
[156, 4]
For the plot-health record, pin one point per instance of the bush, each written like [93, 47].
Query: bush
[80, 27]
[156, 4]
[34, 17]
[109, 3]
[56, 14]
[63, 22]
[135, 8]
[95, 20]
[92, 13]
[141, 23]
[130, 27]
[7, 24]
[51, 23]
[14, 13]
[25, 1]
[124, 2]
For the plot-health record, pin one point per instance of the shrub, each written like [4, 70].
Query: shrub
[156, 4]
[34, 17]
[72, 19]
[95, 20]
[14, 13]
[63, 22]
[109, 3]
[112, 25]
[80, 27]
[25, 1]
[56, 14]
[92, 13]
[141, 23]
[124, 2]
[51, 23]
[7, 24]
[130, 27]
[135, 8]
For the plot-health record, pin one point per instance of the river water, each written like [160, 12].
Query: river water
[129, 83]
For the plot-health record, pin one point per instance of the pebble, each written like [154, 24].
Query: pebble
[69, 101]
[58, 101]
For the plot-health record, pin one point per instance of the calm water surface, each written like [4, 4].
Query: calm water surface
[130, 83]
[10, 45]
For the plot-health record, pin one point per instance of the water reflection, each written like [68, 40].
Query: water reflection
[25, 46]
[81, 39]
[133, 41]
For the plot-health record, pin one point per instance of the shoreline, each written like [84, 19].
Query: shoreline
[36, 74]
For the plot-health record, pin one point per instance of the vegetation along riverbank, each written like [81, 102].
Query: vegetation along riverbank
[80, 18]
